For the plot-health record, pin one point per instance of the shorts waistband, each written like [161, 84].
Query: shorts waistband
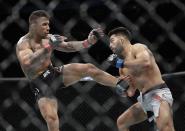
[160, 86]
[41, 75]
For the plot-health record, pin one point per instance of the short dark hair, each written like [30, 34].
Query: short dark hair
[120, 30]
[37, 14]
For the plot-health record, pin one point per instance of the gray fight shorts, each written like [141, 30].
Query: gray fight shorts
[151, 100]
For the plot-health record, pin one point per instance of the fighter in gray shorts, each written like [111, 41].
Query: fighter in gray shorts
[151, 100]
[137, 62]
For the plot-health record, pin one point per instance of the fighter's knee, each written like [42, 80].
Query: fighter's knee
[165, 119]
[91, 69]
[121, 123]
[51, 118]
[166, 126]
[90, 66]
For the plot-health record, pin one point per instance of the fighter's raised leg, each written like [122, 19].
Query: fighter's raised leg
[72, 73]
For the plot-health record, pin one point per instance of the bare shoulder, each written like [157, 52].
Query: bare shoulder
[22, 43]
[139, 46]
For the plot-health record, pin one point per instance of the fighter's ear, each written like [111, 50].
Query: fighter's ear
[32, 25]
[122, 41]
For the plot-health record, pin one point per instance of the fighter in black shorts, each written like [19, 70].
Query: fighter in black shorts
[34, 51]
[45, 84]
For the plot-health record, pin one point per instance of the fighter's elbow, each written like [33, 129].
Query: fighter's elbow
[26, 63]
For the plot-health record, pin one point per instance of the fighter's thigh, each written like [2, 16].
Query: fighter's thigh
[74, 72]
[48, 107]
[132, 115]
[164, 120]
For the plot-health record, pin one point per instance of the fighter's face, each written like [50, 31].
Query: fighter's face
[42, 27]
[117, 45]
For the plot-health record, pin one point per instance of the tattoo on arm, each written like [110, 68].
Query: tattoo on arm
[38, 55]
[77, 45]
[31, 59]
[71, 46]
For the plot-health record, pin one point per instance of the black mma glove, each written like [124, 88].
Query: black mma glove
[93, 37]
[55, 40]
[115, 61]
[96, 34]
[122, 87]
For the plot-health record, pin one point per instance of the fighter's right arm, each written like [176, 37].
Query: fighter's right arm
[24, 56]
[27, 57]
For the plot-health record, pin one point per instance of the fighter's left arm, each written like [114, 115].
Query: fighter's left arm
[73, 46]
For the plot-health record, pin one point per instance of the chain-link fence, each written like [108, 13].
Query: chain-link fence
[88, 106]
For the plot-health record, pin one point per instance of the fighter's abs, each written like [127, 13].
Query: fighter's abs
[138, 77]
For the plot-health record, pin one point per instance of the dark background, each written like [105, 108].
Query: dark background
[88, 106]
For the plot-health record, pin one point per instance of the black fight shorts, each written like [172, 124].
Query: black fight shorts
[48, 82]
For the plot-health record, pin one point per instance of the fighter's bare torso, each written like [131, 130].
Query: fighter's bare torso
[146, 78]
[28, 45]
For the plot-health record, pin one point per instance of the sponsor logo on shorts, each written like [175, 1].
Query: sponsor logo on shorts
[46, 73]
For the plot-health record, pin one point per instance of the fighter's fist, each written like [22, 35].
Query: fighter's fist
[95, 35]
[55, 40]
[122, 86]
[115, 61]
